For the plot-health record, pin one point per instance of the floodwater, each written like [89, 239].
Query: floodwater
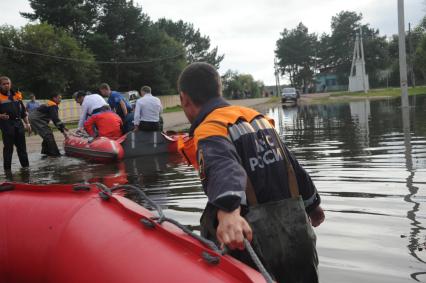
[367, 159]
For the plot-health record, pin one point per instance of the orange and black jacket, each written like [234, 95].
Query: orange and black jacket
[47, 112]
[232, 146]
[12, 105]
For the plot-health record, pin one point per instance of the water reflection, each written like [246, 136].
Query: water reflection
[359, 154]
[415, 242]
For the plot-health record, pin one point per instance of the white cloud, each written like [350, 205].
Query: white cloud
[246, 30]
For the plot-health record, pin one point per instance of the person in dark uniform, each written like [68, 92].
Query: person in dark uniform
[12, 112]
[40, 119]
[255, 186]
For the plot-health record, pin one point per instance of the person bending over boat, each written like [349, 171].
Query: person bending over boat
[104, 124]
[90, 104]
[39, 120]
[119, 104]
[147, 111]
[12, 112]
[256, 188]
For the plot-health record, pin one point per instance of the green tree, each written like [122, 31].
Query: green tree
[336, 50]
[45, 74]
[76, 16]
[133, 50]
[296, 52]
[237, 85]
[420, 57]
[197, 46]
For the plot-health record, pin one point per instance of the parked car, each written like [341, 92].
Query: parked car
[289, 94]
[131, 96]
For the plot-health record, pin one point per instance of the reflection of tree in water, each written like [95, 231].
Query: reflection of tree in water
[314, 124]
[415, 234]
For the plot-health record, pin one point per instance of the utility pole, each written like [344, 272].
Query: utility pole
[402, 55]
[411, 57]
[277, 78]
[364, 86]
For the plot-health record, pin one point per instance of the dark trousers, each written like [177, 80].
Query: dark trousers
[149, 126]
[128, 122]
[14, 135]
[48, 146]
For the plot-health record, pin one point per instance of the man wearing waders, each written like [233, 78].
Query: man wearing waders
[256, 188]
[40, 119]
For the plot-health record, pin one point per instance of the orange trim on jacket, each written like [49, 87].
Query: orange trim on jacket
[51, 103]
[216, 124]
[16, 97]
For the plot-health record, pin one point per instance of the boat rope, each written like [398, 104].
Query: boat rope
[142, 194]
[257, 262]
[211, 259]
[162, 218]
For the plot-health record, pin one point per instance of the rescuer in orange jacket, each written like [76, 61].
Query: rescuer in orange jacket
[251, 179]
[12, 112]
[104, 124]
[40, 119]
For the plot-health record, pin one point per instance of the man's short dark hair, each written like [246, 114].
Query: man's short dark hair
[104, 86]
[146, 89]
[80, 93]
[201, 82]
[51, 96]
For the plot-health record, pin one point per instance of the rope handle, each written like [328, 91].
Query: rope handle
[206, 242]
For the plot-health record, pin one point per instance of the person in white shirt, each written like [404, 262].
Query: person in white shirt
[147, 111]
[90, 104]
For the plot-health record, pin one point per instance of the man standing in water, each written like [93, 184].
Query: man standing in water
[40, 119]
[251, 179]
[12, 112]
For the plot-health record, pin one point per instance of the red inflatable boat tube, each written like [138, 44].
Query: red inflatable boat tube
[71, 233]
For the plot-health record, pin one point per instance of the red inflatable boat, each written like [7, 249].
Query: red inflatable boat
[100, 149]
[133, 144]
[82, 233]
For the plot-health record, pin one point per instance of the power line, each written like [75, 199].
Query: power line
[89, 61]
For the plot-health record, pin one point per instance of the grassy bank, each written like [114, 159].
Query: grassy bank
[345, 96]
[176, 108]
[383, 92]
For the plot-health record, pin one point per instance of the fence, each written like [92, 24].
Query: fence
[69, 110]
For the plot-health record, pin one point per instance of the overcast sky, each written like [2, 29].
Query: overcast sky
[246, 30]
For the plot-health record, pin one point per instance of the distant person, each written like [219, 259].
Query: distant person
[12, 112]
[40, 118]
[90, 104]
[104, 124]
[32, 104]
[119, 104]
[147, 111]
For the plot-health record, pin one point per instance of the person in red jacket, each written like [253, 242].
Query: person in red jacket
[104, 124]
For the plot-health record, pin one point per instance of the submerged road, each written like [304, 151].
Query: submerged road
[172, 121]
